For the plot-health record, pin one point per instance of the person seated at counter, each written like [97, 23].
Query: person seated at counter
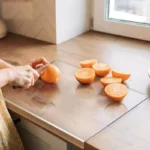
[22, 76]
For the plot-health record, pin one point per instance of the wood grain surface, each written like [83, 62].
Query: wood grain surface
[67, 109]
[130, 132]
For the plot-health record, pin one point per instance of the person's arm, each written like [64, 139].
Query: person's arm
[22, 76]
[4, 77]
[35, 63]
[4, 64]
[4, 74]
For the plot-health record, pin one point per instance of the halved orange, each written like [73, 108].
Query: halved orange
[101, 69]
[109, 80]
[88, 63]
[116, 91]
[123, 76]
[85, 75]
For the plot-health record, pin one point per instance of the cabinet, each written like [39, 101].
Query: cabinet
[35, 138]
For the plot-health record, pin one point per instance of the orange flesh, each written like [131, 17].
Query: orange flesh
[116, 91]
[101, 69]
[51, 74]
[123, 76]
[85, 75]
[109, 80]
[88, 63]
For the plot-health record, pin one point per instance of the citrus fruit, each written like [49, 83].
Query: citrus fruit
[116, 91]
[50, 74]
[101, 69]
[123, 76]
[109, 80]
[85, 75]
[88, 63]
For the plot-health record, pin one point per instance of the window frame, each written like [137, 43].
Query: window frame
[117, 27]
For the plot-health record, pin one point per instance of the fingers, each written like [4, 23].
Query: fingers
[28, 83]
[38, 61]
[44, 61]
[31, 78]
[35, 74]
[25, 76]
[23, 81]
[39, 66]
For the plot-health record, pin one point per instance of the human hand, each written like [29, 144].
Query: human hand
[23, 76]
[38, 63]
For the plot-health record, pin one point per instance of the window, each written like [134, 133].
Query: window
[129, 18]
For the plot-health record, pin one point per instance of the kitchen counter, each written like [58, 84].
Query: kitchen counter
[78, 114]
[130, 132]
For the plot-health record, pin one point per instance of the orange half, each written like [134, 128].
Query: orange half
[123, 76]
[88, 63]
[85, 75]
[116, 91]
[109, 80]
[101, 69]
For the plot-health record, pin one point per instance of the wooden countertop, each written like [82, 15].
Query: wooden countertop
[78, 114]
[130, 132]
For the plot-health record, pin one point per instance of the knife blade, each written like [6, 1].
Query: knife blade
[44, 67]
[38, 70]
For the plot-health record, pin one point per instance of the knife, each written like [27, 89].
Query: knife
[38, 70]
[44, 67]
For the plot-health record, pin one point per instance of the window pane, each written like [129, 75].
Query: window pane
[130, 10]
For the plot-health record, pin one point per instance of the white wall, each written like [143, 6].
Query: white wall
[72, 18]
